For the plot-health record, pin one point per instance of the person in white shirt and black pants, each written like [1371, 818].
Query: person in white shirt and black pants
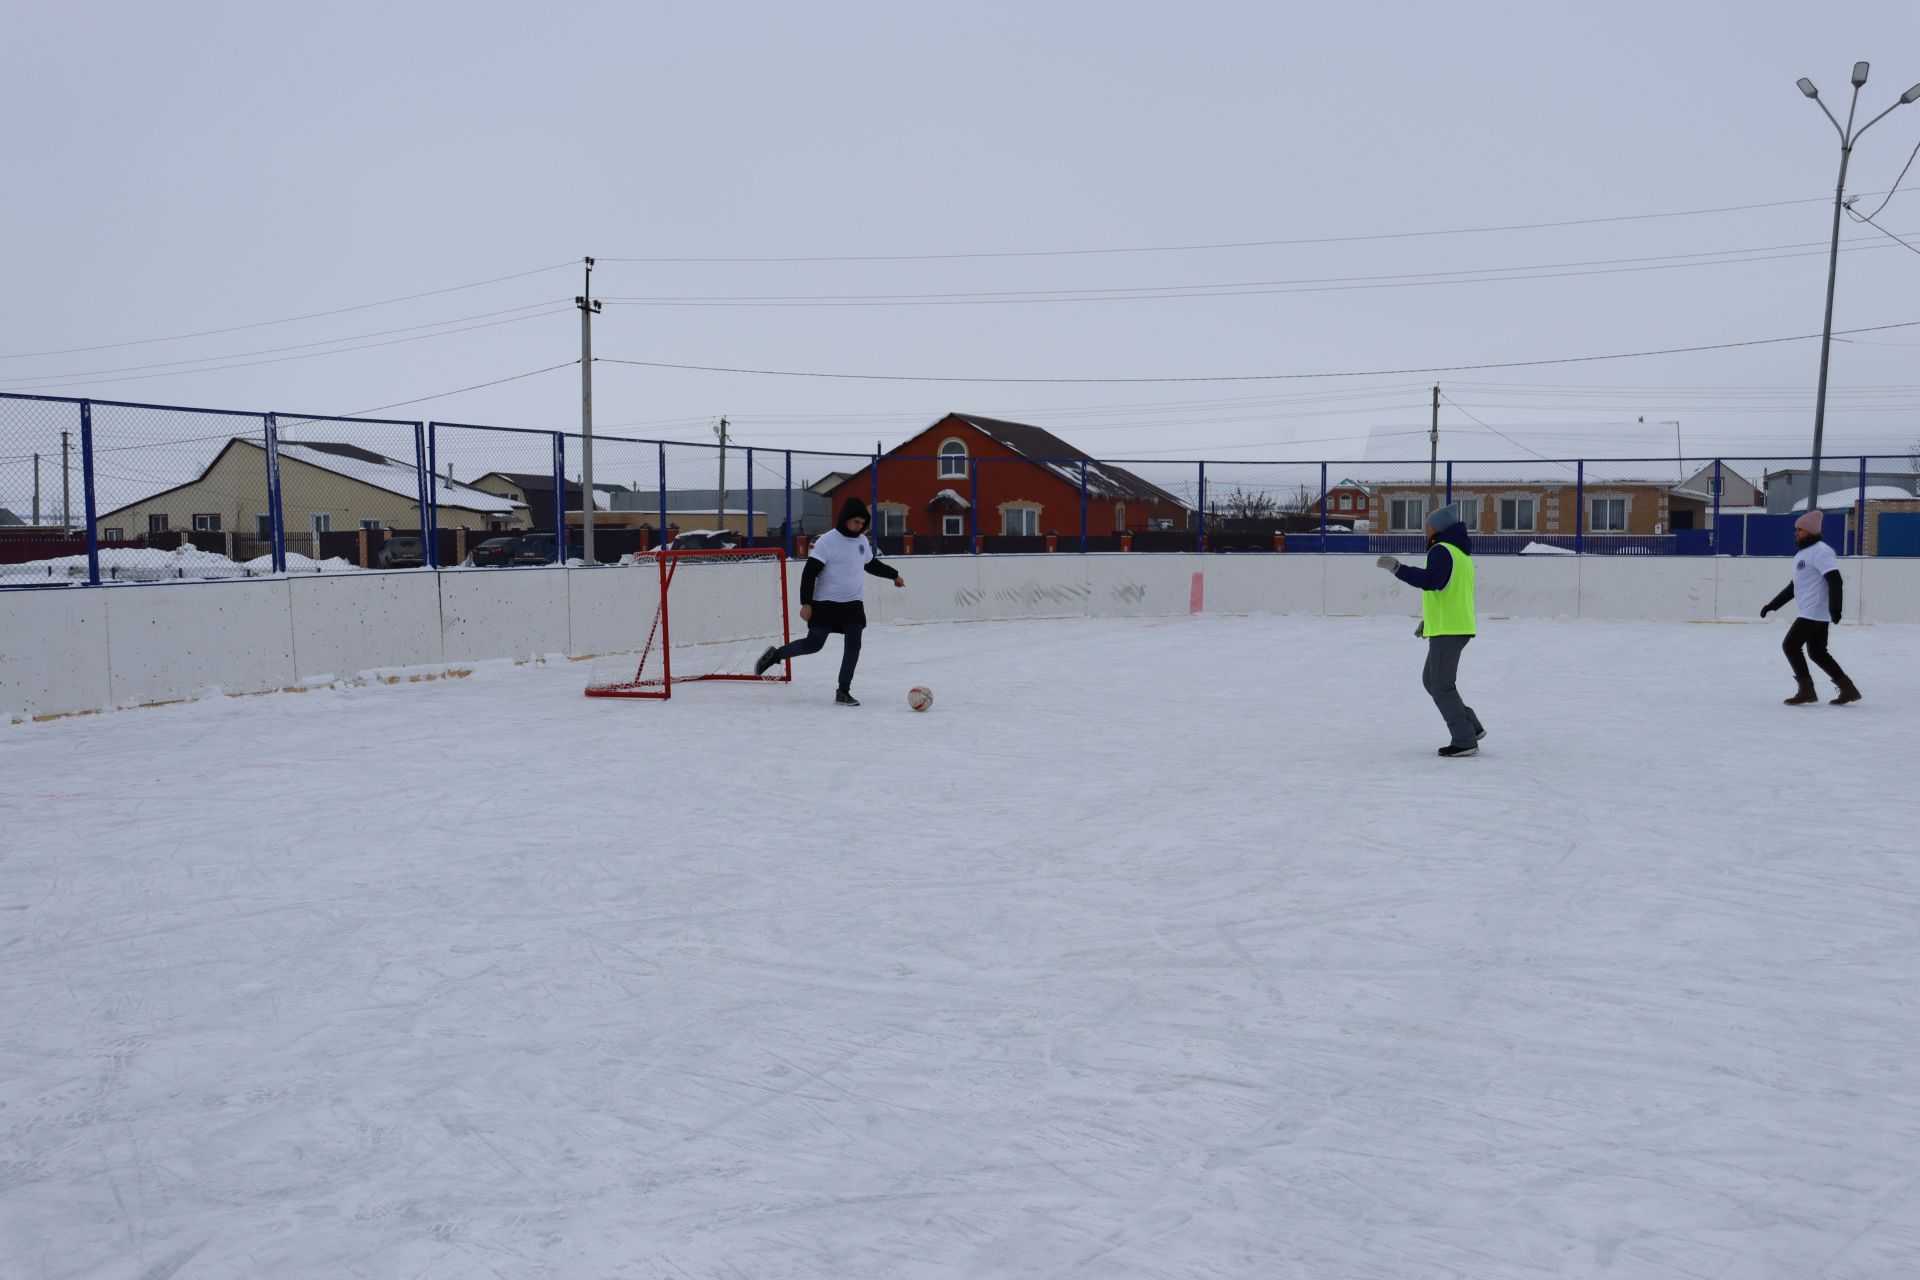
[1817, 586]
[833, 596]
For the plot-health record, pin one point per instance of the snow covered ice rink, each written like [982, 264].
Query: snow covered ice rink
[1158, 948]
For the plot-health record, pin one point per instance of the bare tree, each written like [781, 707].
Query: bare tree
[1243, 504]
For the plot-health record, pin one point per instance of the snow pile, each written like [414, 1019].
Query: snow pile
[150, 564]
[1544, 549]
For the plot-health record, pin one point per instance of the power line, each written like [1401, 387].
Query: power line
[52, 379]
[1239, 244]
[313, 315]
[1251, 377]
[1254, 288]
[441, 395]
[1857, 217]
[366, 346]
[1895, 189]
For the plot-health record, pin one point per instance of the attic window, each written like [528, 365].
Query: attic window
[953, 460]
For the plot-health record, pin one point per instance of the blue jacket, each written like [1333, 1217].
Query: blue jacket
[1439, 570]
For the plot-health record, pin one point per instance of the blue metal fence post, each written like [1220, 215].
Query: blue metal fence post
[973, 505]
[1713, 537]
[559, 498]
[1200, 525]
[274, 507]
[1580, 506]
[663, 494]
[873, 506]
[422, 488]
[1449, 481]
[432, 531]
[1323, 508]
[787, 524]
[86, 480]
[1860, 520]
[1083, 507]
[723, 497]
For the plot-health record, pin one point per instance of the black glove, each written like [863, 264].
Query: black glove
[1765, 609]
[1836, 619]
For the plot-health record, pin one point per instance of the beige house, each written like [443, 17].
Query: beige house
[324, 488]
[1615, 498]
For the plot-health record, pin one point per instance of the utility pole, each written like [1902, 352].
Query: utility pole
[720, 503]
[1433, 455]
[66, 485]
[36, 489]
[589, 308]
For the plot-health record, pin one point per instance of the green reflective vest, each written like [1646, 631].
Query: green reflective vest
[1449, 611]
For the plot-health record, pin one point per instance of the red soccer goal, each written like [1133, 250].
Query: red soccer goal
[708, 615]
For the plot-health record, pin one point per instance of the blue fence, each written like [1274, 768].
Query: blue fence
[95, 491]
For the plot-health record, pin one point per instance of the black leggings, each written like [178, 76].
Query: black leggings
[1807, 634]
[816, 640]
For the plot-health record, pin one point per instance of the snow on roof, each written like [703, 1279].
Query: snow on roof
[950, 496]
[392, 475]
[1875, 493]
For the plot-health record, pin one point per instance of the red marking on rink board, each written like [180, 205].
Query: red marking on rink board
[1199, 598]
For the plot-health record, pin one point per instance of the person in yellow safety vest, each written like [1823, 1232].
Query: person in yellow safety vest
[1447, 622]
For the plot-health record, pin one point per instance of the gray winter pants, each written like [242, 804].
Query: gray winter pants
[1440, 676]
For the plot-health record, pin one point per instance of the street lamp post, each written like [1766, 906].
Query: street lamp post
[1848, 136]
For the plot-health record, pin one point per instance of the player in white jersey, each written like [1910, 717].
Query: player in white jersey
[1817, 586]
[833, 596]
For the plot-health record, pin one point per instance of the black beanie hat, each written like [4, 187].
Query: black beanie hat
[852, 509]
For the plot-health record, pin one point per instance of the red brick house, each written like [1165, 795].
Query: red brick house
[1023, 480]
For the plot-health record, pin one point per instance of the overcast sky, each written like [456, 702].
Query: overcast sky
[176, 169]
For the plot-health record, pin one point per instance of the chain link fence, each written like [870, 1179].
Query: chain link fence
[106, 491]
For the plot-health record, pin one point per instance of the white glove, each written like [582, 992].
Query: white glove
[1388, 563]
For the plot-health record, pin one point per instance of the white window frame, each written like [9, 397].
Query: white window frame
[320, 522]
[1469, 512]
[370, 524]
[157, 523]
[1346, 502]
[893, 520]
[953, 459]
[206, 522]
[1019, 514]
[1514, 524]
[1594, 523]
[953, 526]
[113, 535]
[1396, 515]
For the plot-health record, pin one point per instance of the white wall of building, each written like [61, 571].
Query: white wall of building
[82, 649]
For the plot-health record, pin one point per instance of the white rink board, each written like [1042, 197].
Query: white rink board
[503, 613]
[53, 652]
[180, 640]
[83, 649]
[344, 623]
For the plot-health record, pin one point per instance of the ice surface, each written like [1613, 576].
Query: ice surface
[1159, 948]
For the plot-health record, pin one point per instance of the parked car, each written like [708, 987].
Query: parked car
[402, 553]
[537, 548]
[519, 549]
[705, 540]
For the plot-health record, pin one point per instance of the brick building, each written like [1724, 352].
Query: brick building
[1017, 480]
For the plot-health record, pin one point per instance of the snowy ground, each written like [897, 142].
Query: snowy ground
[1159, 948]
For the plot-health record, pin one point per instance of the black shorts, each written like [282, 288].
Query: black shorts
[838, 616]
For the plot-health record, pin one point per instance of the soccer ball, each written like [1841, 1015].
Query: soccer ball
[919, 697]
